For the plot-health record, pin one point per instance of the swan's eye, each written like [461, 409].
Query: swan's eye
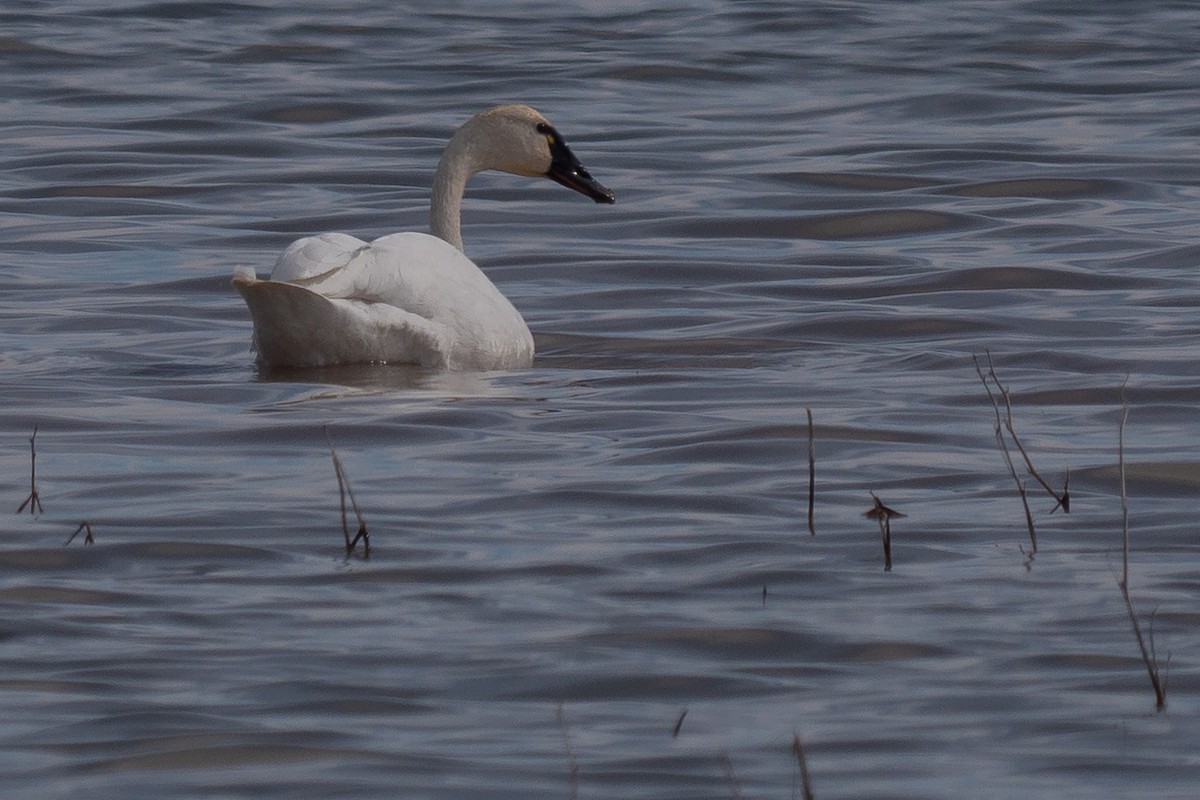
[549, 132]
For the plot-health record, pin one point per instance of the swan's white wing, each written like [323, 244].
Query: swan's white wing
[297, 327]
[315, 257]
[407, 297]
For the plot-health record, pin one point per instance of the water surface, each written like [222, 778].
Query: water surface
[832, 207]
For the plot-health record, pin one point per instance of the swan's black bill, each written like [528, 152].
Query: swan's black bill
[566, 169]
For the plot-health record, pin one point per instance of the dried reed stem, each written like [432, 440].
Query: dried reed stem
[812, 474]
[34, 501]
[730, 777]
[572, 762]
[805, 779]
[85, 525]
[345, 491]
[1012, 470]
[886, 530]
[678, 723]
[1124, 493]
[883, 515]
[1063, 500]
[1145, 644]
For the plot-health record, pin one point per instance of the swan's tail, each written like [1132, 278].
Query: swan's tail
[297, 327]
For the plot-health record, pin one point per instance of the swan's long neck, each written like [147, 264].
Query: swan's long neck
[459, 162]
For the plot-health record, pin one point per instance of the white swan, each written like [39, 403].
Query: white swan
[412, 298]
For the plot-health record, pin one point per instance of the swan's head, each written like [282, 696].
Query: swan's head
[518, 139]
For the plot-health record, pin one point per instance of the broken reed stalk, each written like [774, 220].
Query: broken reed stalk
[1124, 493]
[85, 525]
[34, 501]
[812, 474]
[805, 781]
[1012, 470]
[727, 765]
[1062, 500]
[678, 724]
[886, 529]
[344, 490]
[1149, 657]
[883, 515]
[573, 763]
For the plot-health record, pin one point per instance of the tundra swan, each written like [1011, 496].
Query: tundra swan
[412, 298]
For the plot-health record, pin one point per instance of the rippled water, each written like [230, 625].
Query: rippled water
[823, 206]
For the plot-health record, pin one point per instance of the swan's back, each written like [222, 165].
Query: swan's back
[405, 298]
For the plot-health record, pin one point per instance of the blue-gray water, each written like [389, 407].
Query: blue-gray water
[830, 206]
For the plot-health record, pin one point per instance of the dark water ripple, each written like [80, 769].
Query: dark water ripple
[832, 207]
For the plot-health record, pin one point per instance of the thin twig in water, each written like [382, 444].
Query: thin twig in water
[1124, 493]
[345, 491]
[727, 765]
[812, 474]
[884, 516]
[1028, 558]
[1062, 500]
[34, 501]
[1154, 657]
[678, 723]
[805, 780]
[85, 525]
[1012, 470]
[1149, 657]
[571, 760]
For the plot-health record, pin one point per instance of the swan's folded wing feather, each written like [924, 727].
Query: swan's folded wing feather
[405, 298]
[297, 327]
[314, 258]
[415, 272]
[343, 267]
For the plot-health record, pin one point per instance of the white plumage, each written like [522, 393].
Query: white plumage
[411, 298]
